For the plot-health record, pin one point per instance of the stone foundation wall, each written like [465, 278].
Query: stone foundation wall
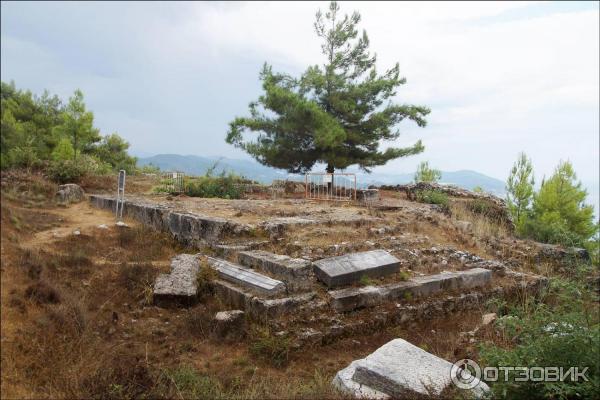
[188, 228]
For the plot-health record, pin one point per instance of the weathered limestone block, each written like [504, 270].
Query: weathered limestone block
[294, 272]
[229, 324]
[400, 369]
[367, 195]
[70, 193]
[247, 278]
[180, 285]
[350, 268]
[258, 307]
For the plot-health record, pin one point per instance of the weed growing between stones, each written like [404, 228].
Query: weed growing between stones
[269, 347]
[205, 276]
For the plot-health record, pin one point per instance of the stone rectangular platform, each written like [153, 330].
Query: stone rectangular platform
[350, 268]
[246, 278]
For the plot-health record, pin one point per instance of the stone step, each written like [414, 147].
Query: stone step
[236, 296]
[400, 369]
[246, 277]
[180, 285]
[349, 299]
[295, 272]
[350, 268]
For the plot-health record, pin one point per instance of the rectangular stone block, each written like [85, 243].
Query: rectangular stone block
[180, 284]
[294, 272]
[350, 268]
[246, 278]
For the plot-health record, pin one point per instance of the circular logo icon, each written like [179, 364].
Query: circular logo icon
[465, 374]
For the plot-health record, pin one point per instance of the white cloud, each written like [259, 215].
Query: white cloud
[498, 77]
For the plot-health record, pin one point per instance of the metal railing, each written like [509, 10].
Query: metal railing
[325, 186]
[172, 182]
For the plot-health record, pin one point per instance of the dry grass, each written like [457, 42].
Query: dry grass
[482, 226]
[77, 323]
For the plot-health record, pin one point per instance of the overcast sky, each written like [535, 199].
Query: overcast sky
[498, 77]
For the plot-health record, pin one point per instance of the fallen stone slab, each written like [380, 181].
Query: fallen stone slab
[180, 285]
[350, 268]
[246, 277]
[294, 272]
[349, 299]
[400, 370]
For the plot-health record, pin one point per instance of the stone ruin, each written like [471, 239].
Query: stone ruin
[319, 299]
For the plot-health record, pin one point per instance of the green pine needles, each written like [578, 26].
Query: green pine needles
[336, 113]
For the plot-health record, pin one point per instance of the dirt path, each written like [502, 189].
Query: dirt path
[81, 216]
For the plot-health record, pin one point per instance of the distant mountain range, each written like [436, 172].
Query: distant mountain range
[197, 165]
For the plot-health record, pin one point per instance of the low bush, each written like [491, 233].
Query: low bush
[432, 197]
[562, 331]
[66, 171]
[224, 186]
[205, 276]
[273, 349]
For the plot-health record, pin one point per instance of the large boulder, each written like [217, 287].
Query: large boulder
[70, 193]
[399, 369]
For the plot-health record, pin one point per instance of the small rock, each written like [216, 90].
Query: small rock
[102, 226]
[488, 318]
[76, 233]
[229, 324]
[121, 224]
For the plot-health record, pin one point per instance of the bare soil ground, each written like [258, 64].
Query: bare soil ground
[77, 318]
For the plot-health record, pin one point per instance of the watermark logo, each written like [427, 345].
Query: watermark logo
[467, 374]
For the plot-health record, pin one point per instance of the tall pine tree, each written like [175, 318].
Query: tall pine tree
[336, 113]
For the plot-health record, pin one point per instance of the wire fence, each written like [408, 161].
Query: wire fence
[172, 182]
[335, 187]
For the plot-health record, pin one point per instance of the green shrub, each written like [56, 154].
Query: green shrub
[432, 197]
[227, 186]
[63, 150]
[67, 171]
[563, 331]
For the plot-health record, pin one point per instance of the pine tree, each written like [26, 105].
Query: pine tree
[337, 113]
[78, 124]
[519, 190]
[63, 150]
[427, 174]
[559, 212]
